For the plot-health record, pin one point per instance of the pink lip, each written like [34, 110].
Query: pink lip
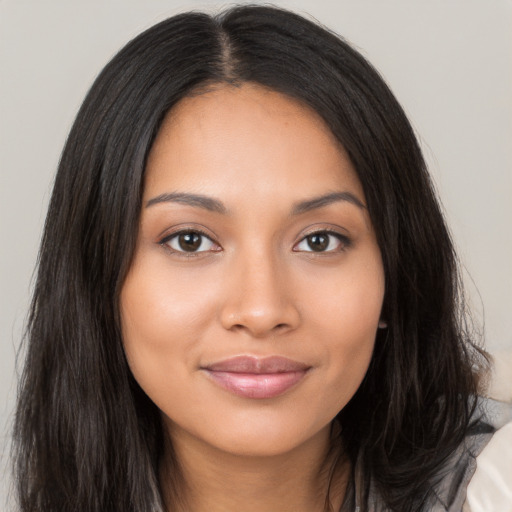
[253, 377]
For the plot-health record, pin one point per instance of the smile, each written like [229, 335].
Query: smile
[257, 378]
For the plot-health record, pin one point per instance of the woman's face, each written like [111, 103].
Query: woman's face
[250, 310]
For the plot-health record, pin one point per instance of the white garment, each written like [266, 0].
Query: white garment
[490, 489]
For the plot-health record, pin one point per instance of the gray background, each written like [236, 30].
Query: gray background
[448, 62]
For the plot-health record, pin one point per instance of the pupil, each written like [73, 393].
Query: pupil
[189, 241]
[318, 242]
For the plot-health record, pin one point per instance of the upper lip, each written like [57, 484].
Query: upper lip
[257, 365]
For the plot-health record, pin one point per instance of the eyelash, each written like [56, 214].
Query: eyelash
[344, 240]
[165, 242]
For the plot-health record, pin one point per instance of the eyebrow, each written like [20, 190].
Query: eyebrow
[197, 200]
[214, 205]
[326, 200]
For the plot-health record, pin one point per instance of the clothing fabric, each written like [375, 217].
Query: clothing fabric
[450, 491]
[490, 489]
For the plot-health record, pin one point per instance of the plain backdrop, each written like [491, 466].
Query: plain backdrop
[449, 62]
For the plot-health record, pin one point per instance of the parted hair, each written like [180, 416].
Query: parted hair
[86, 437]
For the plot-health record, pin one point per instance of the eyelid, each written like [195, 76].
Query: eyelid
[344, 239]
[180, 230]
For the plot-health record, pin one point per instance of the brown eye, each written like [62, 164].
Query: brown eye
[189, 241]
[323, 241]
[318, 242]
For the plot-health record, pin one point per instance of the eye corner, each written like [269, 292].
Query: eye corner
[189, 242]
[323, 242]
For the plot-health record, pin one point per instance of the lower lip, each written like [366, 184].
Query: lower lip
[255, 385]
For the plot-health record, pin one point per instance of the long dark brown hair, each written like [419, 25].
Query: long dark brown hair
[87, 438]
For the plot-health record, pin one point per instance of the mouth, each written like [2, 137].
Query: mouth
[257, 378]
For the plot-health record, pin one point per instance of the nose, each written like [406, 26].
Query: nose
[259, 298]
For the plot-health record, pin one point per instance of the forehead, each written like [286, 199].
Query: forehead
[246, 139]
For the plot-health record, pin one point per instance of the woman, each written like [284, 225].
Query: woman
[247, 297]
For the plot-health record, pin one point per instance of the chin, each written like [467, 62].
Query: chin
[269, 438]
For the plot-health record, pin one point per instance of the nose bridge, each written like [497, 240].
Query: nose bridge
[258, 298]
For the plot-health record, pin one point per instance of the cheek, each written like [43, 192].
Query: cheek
[349, 349]
[164, 317]
[349, 301]
[348, 314]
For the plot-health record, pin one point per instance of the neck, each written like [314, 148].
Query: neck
[213, 480]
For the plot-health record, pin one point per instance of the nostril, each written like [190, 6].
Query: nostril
[260, 318]
[255, 330]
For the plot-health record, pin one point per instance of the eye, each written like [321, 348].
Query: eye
[189, 242]
[323, 241]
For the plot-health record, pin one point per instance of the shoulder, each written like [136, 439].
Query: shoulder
[484, 455]
[490, 487]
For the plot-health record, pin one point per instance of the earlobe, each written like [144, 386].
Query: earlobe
[383, 324]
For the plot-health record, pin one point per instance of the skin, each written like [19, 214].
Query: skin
[256, 287]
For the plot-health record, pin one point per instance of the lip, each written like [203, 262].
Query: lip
[255, 377]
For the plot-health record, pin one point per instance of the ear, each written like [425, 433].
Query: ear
[383, 324]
